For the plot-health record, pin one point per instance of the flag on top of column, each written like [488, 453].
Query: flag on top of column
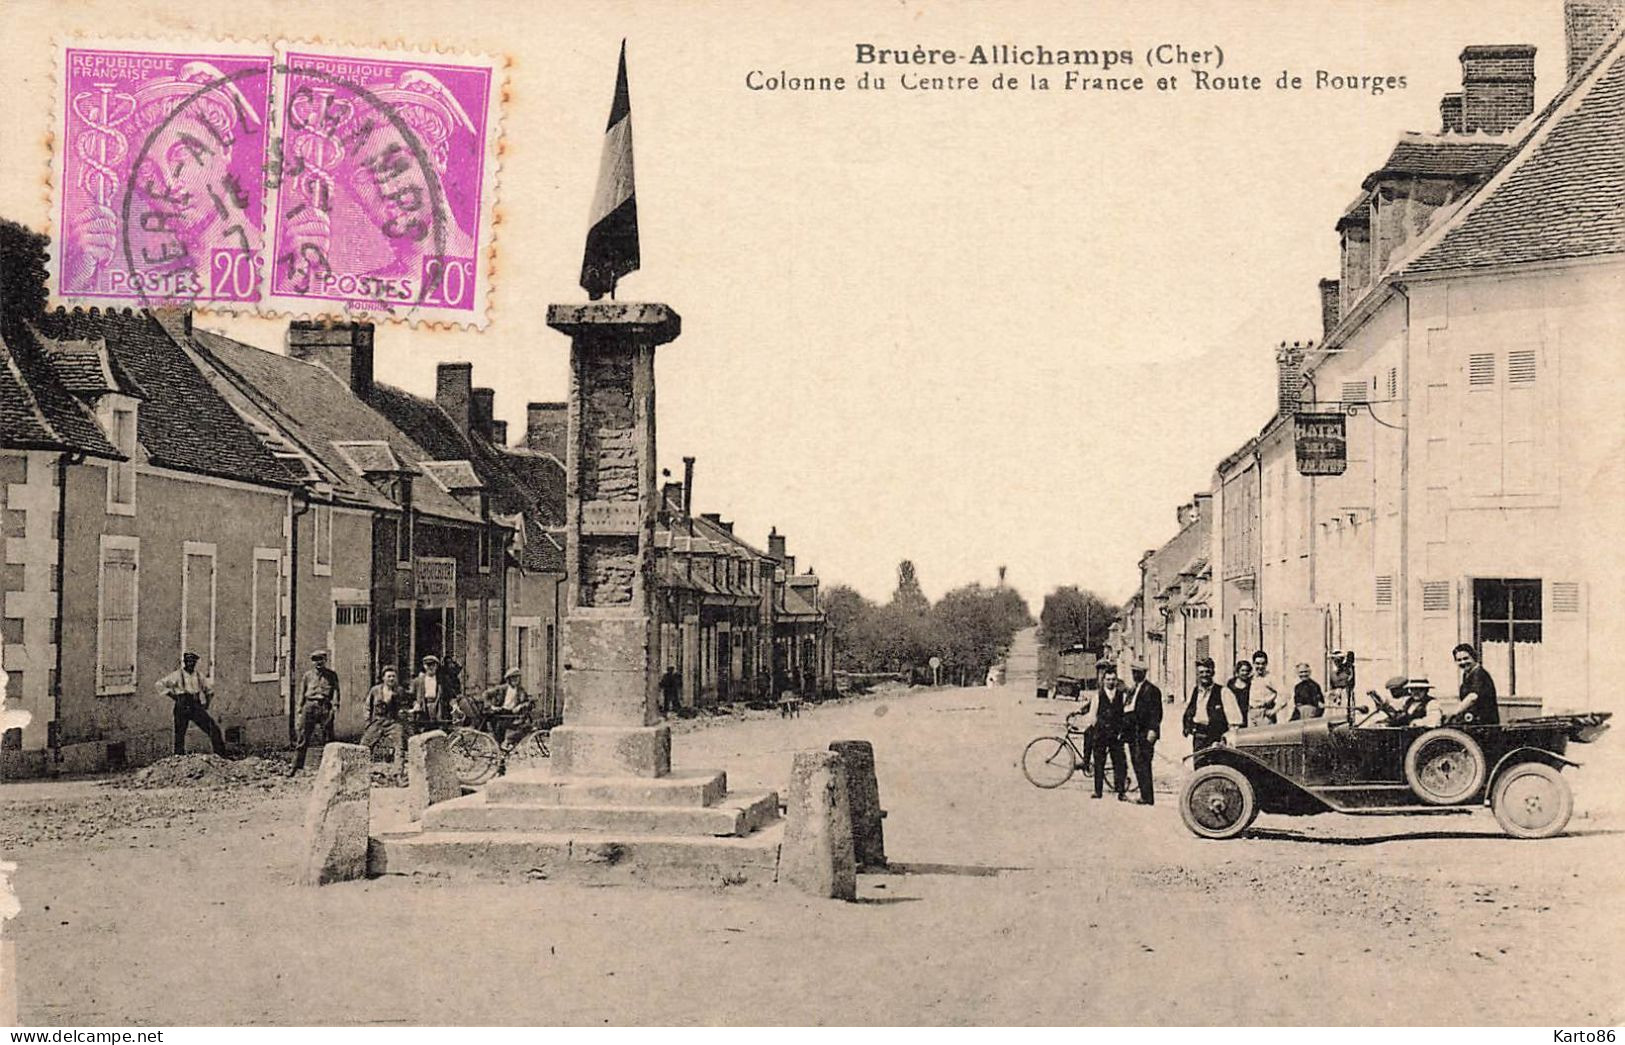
[612, 237]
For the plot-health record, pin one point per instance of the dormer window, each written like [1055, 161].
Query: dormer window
[121, 432]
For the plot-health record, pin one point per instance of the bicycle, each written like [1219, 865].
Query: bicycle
[477, 755]
[1048, 762]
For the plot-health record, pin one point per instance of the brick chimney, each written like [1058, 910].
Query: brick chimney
[775, 545]
[1354, 227]
[481, 411]
[499, 433]
[671, 497]
[1450, 113]
[1289, 377]
[1497, 86]
[1586, 24]
[547, 427]
[688, 487]
[343, 348]
[1331, 306]
[454, 391]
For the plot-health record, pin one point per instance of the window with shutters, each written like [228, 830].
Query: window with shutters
[1354, 392]
[1435, 596]
[1385, 590]
[264, 616]
[118, 605]
[1393, 382]
[1521, 367]
[1481, 369]
[198, 603]
[1565, 597]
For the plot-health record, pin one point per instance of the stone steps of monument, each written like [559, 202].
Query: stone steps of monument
[706, 787]
[595, 859]
[734, 815]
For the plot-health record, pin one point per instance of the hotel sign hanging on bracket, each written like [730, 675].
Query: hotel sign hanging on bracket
[1322, 443]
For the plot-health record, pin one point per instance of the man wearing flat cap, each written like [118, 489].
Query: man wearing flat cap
[191, 694]
[318, 702]
[509, 698]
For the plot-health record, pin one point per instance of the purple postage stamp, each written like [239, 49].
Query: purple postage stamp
[159, 175]
[384, 188]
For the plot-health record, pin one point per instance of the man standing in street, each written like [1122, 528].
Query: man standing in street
[191, 695]
[384, 718]
[1108, 727]
[1265, 705]
[430, 695]
[1479, 704]
[1212, 710]
[671, 691]
[1142, 726]
[318, 701]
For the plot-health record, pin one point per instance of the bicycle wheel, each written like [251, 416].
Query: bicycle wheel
[1048, 762]
[474, 755]
[538, 741]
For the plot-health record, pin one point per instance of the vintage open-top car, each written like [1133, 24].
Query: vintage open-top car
[1399, 766]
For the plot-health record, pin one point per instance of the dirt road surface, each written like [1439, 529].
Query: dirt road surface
[1006, 904]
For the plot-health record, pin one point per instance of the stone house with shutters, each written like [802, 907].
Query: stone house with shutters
[141, 516]
[1470, 342]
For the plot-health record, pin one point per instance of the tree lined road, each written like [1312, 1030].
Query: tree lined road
[1006, 904]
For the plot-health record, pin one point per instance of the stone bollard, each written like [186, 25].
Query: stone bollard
[817, 856]
[863, 798]
[429, 776]
[338, 817]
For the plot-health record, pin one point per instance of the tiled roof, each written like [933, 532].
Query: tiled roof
[183, 423]
[796, 607]
[1562, 195]
[1440, 157]
[319, 413]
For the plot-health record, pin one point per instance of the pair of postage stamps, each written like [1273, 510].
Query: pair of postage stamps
[282, 178]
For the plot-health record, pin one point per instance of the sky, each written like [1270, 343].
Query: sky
[969, 329]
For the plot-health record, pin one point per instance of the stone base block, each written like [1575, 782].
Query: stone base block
[599, 860]
[701, 787]
[736, 815]
[338, 817]
[611, 751]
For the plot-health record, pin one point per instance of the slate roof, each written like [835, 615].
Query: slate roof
[182, 423]
[1440, 157]
[517, 481]
[319, 413]
[1560, 196]
[453, 475]
[797, 608]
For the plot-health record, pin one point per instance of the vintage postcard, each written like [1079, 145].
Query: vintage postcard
[864, 514]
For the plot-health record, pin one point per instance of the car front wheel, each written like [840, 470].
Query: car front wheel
[1218, 802]
[1532, 800]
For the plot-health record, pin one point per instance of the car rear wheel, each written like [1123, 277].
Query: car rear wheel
[1218, 802]
[1444, 767]
[1532, 800]
[1048, 762]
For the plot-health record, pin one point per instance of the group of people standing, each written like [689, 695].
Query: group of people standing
[1125, 718]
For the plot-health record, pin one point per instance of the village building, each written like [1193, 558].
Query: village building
[141, 517]
[1468, 346]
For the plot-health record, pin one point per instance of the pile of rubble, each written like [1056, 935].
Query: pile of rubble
[201, 770]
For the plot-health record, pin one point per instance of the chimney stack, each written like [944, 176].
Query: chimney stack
[1497, 86]
[499, 433]
[1331, 306]
[481, 412]
[775, 545]
[688, 486]
[547, 427]
[1450, 113]
[1289, 377]
[671, 497]
[454, 392]
[343, 348]
[1586, 24]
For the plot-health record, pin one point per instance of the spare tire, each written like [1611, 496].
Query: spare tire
[1445, 767]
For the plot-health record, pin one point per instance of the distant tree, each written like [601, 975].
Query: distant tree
[908, 597]
[1074, 617]
[848, 613]
[976, 626]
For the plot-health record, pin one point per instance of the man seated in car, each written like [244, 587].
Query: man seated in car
[1411, 700]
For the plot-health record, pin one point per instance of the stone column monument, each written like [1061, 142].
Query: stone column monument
[610, 676]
